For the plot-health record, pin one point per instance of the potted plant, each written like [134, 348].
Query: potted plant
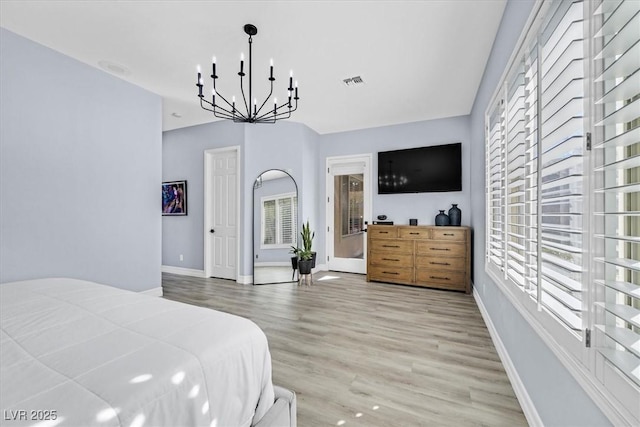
[307, 241]
[305, 262]
[294, 259]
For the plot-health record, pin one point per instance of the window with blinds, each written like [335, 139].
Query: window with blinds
[495, 180]
[563, 188]
[616, 138]
[560, 163]
[535, 168]
[279, 215]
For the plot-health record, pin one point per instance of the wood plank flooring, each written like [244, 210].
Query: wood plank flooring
[370, 354]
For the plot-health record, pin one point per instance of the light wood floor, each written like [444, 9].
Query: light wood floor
[371, 354]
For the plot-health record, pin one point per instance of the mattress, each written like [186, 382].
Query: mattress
[78, 353]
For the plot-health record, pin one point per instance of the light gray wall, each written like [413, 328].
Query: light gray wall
[281, 146]
[80, 157]
[400, 207]
[559, 400]
[285, 146]
[183, 158]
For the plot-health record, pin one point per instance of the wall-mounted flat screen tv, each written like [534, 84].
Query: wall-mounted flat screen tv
[420, 170]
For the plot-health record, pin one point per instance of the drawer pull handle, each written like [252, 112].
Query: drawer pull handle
[439, 263]
[449, 234]
[383, 232]
[440, 249]
[391, 272]
[390, 259]
[415, 233]
[390, 246]
[441, 278]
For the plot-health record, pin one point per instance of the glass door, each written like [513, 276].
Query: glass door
[349, 199]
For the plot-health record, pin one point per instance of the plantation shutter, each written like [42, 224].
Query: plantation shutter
[616, 148]
[531, 168]
[269, 222]
[287, 230]
[515, 151]
[561, 164]
[495, 184]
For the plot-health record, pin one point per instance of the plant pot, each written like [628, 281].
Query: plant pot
[304, 266]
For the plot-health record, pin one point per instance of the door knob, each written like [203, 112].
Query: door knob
[212, 231]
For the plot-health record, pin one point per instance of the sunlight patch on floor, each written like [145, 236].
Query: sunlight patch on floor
[328, 278]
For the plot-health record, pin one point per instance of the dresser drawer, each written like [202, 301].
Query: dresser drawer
[442, 278]
[391, 259]
[441, 263]
[383, 232]
[390, 274]
[391, 246]
[441, 249]
[449, 233]
[413, 233]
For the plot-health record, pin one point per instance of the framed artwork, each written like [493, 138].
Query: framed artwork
[174, 198]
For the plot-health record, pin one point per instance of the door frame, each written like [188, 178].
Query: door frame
[367, 158]
[209, 156]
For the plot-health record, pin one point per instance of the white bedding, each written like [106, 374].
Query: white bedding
[96, 355]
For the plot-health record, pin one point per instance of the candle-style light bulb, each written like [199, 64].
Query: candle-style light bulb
[290, 80]
[213, 63]
[255, 106]
[242, 62]
[271, 68]
[275, 105]
[199, 82]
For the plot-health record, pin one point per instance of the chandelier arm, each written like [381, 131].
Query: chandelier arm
[238, 113]
[218, 114]
[265, 100]
[204, 107]
[269, 112]
[270, 120]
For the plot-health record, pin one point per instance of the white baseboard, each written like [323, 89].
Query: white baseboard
[154, 292]
[183, 271]
[529, 409]
[245, 280]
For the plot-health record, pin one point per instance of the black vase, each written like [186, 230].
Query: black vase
[455, 215]
[442, 218]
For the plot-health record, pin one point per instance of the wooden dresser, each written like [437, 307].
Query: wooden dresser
[431, 256]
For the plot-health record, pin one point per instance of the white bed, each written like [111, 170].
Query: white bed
[81, 354]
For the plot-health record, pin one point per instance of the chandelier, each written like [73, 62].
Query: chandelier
[248, 114]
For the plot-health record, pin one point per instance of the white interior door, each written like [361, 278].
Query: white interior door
[348, 208]
[221, 213]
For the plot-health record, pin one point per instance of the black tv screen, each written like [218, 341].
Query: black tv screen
[420, 170]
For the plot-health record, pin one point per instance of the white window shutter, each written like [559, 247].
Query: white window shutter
[616, 146]
[561, 195]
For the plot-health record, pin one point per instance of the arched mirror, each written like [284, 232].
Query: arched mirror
[275, 226]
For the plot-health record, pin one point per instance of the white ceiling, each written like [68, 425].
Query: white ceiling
[419, 59]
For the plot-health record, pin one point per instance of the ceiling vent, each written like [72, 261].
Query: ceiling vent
[353, 81]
